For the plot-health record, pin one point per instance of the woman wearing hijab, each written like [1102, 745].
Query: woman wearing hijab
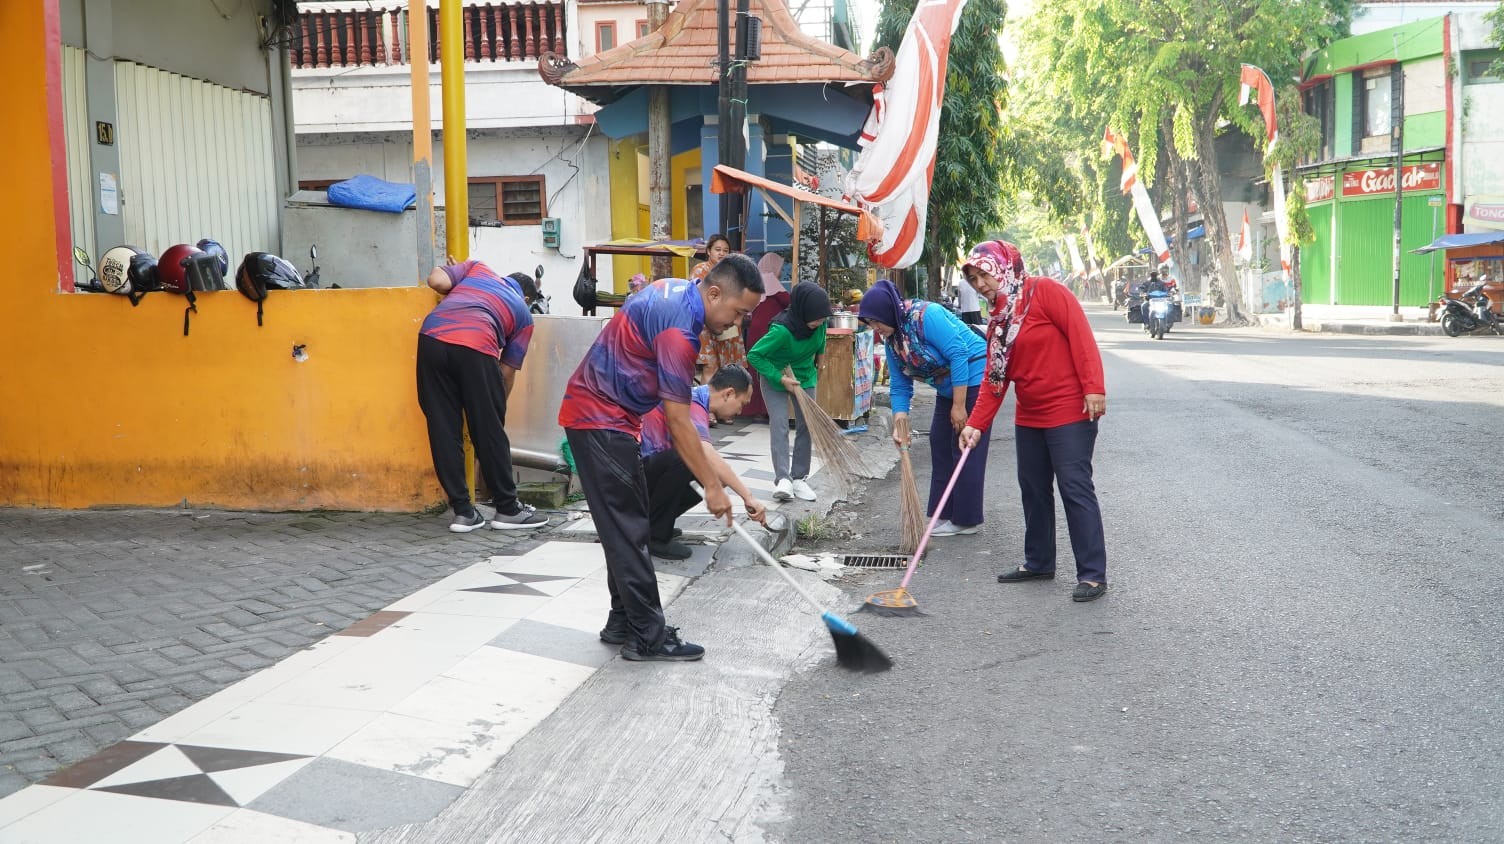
[795, 340]
[926, 342]
[726, 348]
[774, 300]
[1039, 341]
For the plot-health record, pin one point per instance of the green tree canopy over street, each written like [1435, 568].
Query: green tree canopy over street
[1165, 75]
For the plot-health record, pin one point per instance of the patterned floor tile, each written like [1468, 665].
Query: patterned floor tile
[355, 798]
[104, 763]
[247, 784]
[555, 642]
[167, 763]
[100, 816]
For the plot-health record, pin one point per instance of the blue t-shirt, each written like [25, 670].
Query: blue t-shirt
[946, 338]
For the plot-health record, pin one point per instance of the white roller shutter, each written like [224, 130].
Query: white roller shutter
[196, 161]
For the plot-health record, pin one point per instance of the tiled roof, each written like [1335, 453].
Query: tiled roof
[683, 52]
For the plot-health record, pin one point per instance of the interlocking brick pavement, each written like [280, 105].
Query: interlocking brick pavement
[113, 620]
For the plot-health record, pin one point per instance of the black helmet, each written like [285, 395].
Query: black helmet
[263, 271]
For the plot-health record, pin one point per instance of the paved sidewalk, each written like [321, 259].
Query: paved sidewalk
[113, 620]
[160, 666]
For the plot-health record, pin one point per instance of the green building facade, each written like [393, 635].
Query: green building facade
[1363, 89]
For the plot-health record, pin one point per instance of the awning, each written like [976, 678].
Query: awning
[1195, 233]
[1126, 259]
[645, 247]
[731, 180]
[1457, 241]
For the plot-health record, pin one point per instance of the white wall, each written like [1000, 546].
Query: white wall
[1372, 17]
[576, 181]
[379, 99]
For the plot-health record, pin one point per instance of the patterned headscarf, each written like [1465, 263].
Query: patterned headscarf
[1004, 262]
[636, 283]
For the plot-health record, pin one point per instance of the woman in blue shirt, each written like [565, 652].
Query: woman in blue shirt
[926, 342]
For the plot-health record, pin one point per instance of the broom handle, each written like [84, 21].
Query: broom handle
[768, 558]
[935, 519]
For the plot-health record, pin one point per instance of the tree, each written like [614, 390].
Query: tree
[1166, 74]
[1496, 35]
[966, 194]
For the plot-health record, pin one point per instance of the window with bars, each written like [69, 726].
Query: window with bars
[509, 200]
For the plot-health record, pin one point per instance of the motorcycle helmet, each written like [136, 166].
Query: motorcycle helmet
[171, 269]
[143, 273]
[115, 269]
[214, 248]
[263, 271]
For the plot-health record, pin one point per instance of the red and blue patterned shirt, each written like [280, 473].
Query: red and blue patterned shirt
[645, 355]
[484, 312]
[655, 433]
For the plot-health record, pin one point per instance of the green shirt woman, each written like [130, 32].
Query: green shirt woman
[794, 341]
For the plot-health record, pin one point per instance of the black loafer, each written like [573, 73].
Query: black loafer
[670, 550]
[1088, 592]
[1022, 574]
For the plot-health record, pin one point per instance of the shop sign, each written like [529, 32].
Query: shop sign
[1485, 211]
[1381, 180]
[1320, 190]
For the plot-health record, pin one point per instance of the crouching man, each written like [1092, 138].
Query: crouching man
[669, 493]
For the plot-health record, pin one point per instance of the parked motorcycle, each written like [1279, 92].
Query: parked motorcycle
[1471, 313]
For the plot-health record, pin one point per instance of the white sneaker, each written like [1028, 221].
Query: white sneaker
[802, 490]
[949, 528]
[783, 490]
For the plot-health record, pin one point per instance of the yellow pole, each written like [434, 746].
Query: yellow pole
[452, 77]
[456, 185]
[417, 57]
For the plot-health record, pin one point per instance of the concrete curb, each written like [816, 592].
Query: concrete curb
[1280, 322]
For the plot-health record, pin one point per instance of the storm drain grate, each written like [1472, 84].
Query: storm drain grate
[875, 561]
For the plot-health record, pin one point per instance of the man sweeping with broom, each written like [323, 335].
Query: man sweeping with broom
[646, 355]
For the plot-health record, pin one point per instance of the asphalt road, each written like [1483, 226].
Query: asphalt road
[1300, 643]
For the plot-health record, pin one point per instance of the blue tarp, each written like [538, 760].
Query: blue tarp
[1455, 241]
[373, 194]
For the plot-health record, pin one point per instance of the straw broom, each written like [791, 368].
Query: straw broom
[839, 454]
[910, 509]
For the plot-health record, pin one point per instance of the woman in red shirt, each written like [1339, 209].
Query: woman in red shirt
[1040, 342]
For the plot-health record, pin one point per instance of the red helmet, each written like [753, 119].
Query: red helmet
[171, 271]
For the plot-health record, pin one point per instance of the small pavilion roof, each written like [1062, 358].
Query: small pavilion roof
[683, 52]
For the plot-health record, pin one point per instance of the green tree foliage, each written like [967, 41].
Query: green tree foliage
[1496, 20]
[1165, 74]
[966, 195]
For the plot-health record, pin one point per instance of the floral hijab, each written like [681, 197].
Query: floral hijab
[884, 304]
[1010, 306]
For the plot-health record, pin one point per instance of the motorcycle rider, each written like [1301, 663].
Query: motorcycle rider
[1154, 287]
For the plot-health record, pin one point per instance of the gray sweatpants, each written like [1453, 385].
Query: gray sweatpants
[779, 403]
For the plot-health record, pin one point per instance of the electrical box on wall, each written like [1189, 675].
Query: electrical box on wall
[551, 232]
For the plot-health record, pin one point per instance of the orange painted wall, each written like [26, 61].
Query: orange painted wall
[102, 404]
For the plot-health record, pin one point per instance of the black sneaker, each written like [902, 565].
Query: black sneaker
[671, 649]
[678, 532]
[670, 550]
[467, 522]
[526, 518]
[616, 630]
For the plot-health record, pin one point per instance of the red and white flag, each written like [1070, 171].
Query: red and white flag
[1245, 240]
[1113, 142]
[894, 170]
[1256, 83]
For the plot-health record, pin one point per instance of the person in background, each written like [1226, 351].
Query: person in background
[968, 304]
[470, 347]
[774, 300]
[636, 283]
[669, 493]
[644, 357]
[1039, 341]
[926, 342]
[727, 347]
[795, 340]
